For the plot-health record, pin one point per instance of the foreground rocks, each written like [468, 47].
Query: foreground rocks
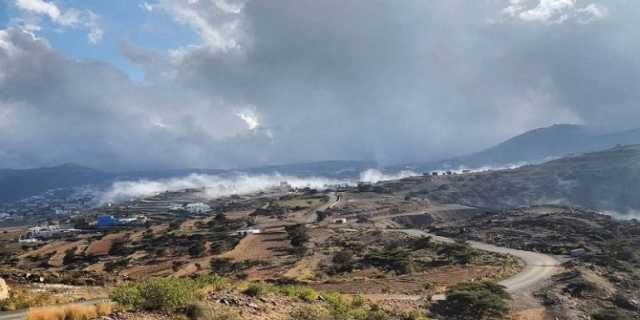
[4, 290]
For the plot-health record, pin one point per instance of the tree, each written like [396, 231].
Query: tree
[197, 249]
[458, 253]
[297, 234]
[484, 300]
[343, 261]
[221, 218]
[69, 257]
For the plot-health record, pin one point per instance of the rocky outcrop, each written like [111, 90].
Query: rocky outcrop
[4, 290]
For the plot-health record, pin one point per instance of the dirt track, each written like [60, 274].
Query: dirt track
[538, 268]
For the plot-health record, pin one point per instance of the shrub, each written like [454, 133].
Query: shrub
[23, 299]
[338, 305]
[310, 313]
[428, 285]
[257, 290]
[484, 300]
[458, 253]
[377, 314]
[297, 234]
[610, 315]
[127, 295]
[69, 257]
[167, 293]
[222, 265]
[197, 249]
[202, 311]
[164, 293]
[303, 293]
[422, 243]
[394, 260]
[343, 261]
[413, 315]
[211, 282]
[358, 300]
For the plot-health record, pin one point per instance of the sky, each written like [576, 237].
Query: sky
[127, 84]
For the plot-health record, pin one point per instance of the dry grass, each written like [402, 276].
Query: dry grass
[70, 312]
[80, 312]
[46, 313]
[104, 309]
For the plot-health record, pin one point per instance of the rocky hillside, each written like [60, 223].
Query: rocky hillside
[602, 277]
[605, 180]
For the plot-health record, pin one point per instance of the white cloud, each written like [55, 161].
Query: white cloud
[95, 30]
[146, 6]
[40, 7]
[70, 17]
[5, 43]
[250, 118]
[554, 11]
[217, 22]
[592, 12]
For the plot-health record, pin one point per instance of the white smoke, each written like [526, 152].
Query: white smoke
[510, 166]
[627, 215]
[373, 175]
[212, 186]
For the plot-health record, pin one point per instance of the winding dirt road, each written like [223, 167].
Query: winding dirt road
[538, 267]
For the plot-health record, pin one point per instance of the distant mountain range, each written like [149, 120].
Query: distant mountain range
[19, 184]
[531, 147]
[537, 146]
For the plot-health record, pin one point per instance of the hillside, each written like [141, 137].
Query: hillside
[605, 180]
[19, 184]
[539, 145]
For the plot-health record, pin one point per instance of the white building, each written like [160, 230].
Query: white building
[245, 232]
[197, 207]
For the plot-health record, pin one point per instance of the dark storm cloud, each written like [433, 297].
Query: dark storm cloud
[391, 81]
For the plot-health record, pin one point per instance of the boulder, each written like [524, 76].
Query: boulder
[4, 290]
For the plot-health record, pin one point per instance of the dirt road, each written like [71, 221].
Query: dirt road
[334, 199]
[538, 267]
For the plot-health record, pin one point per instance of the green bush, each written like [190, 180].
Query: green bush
[484, 300]
[303, 293]
[257, 290]
[127, 295]
[343, 261]
[211, 282]
[339, 305]
[202, 311]
[358, 300]
[23, 299]
[310, 312]
[399, 261]
[167, 293]
[610, 315]
[164, 293]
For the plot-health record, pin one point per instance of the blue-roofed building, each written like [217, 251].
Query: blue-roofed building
[106, 221]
